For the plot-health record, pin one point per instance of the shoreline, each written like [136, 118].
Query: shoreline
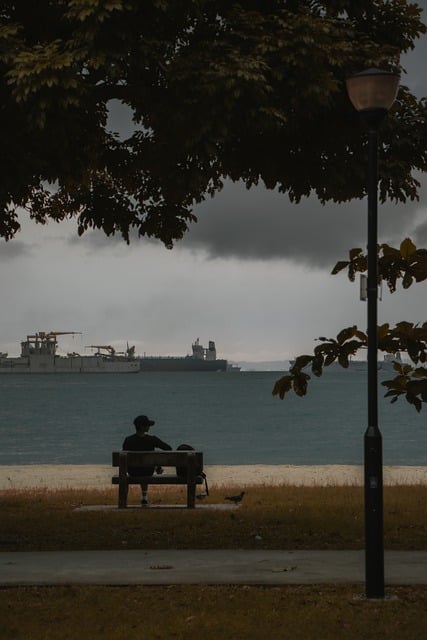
[49, 476]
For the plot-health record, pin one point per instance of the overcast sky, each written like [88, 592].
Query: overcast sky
[253, 274]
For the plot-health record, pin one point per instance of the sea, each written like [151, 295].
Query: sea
[232, 417]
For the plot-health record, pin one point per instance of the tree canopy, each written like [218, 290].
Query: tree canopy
[250, 91]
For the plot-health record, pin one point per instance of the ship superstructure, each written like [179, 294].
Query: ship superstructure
[39, 355]
[201, 359]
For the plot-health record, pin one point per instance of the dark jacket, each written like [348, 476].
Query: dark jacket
[145, 442]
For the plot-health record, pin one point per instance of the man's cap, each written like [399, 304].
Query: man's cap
[143, 422]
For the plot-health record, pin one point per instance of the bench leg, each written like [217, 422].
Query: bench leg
[123, 495]
[191, 496]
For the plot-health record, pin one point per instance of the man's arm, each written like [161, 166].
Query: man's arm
[162, 445]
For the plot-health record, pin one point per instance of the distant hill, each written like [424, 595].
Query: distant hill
[284, 365]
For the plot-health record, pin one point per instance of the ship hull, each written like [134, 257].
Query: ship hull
[78, 364]
[154, 364]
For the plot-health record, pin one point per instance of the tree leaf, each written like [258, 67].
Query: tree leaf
[354, 253]
[407, 248]
[346, 334]
[282, 386]
[301, 362]
[339, 267]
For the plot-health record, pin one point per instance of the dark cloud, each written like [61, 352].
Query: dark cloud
[13, 249]
[95, 240]
[258, 224]
[414, 65]
[420, 235]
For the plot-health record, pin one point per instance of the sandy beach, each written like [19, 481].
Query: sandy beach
[99, 476]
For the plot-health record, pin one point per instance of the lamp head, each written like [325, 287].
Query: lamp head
[372, 93]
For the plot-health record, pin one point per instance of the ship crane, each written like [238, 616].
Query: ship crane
[108, 348]
[52, 334]
[64, 333]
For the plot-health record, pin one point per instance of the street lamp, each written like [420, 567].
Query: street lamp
[372, 93]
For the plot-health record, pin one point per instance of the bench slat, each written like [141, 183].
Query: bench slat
[163, 479]
[163, 458]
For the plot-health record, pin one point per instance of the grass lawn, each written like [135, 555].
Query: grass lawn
[269, 518]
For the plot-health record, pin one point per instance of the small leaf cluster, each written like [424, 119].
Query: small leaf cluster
[406, 263]
[339, 349]
[411, 382]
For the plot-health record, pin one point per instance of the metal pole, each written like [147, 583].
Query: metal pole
[373, 465]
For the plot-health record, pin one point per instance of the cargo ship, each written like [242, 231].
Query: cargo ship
[39, 355]
[201, 359]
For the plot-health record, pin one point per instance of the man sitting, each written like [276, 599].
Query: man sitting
[142, 441]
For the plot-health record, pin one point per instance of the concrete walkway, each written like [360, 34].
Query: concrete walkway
[204, 567]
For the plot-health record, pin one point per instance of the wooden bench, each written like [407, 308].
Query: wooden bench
[192, 461]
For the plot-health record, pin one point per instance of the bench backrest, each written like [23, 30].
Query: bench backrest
[193, 459]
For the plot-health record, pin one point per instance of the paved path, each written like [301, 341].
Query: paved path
[204, 567]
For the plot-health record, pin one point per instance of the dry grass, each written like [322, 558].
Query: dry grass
[211, 613]
[269, 518]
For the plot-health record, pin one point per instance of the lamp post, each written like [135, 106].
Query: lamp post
[372, 93]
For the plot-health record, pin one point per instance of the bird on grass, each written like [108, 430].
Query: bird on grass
[201, 496]
[235, 499]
